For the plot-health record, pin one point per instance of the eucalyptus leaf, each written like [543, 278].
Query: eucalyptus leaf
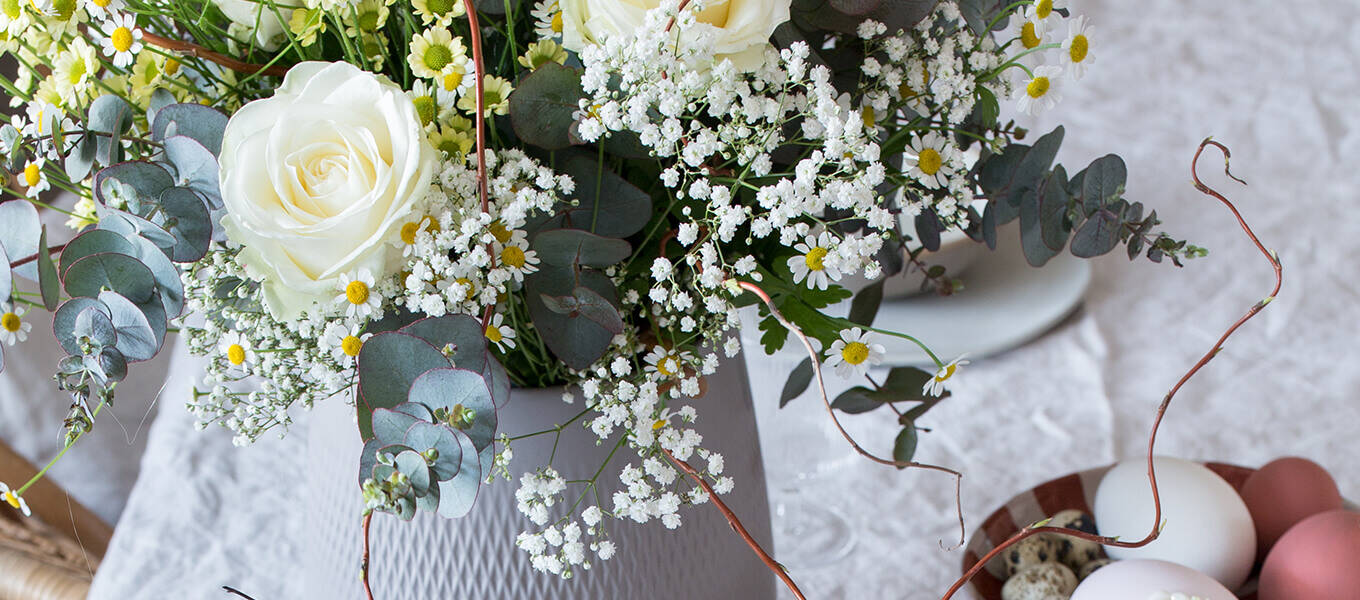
[412, 465]
[468, 337]
[160, 98]
[132, 225]
[194, 121]
[605, 204]
[146, 179]
[543, 105]
[49, 285]
[80, 161]
[458, 495]
[856, 400]
[195, 167]
[136, 339]
[577, 341]
[6, 276]
[585, 302]
[1037, 253]
[191, 225]
[111, 364]
[388, 363]
[110, 271]
[20, 228]
[572, 247]
[1097, 236]
[93, 241]
[1103, 181]
[64, 321]
[441, 438]
[94, 325]
[390, 425]
[448, 388]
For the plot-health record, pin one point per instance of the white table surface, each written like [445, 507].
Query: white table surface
[1278, 84]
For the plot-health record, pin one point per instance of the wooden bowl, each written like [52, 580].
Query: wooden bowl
[1074, 491]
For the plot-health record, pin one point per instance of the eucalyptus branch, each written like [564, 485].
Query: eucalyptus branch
[32, 257]
[736, 525]
[363, 565]
[1042, 526]
[198, 51]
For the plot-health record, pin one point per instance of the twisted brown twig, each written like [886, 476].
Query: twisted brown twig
[736, 525]
[198, 51]
[1166, 401]
[363, 572]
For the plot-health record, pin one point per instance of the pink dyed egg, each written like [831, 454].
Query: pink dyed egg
[1317, 559]
[1284, 492]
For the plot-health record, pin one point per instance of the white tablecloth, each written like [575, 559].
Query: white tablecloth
[1277, 83]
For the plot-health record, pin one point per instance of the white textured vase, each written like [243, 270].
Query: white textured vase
[475, 557]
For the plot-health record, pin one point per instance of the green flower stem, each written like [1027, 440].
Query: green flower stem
[50, 463]
[1014, 62]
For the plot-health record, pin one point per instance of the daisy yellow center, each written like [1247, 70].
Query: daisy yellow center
[171, 67]
[452, 81]
[437, 57]
[351, 345]
[64, 9]
[556, 22]
[1080, 46]
[12, 499]
[855, 353]
[658, 424]
[426, 109]
[868, 115]
[102, 3]
[946, 372]
[32, 175]
[668, 366]
[10, 322]
[1043, 8]
[499, 232]
[905, 91]
[11, 8]
[368, 21]
[1028, 36]
[814, 258]
[493, 96]
[122, 39]
[493, 333]
[1037, 87]
[408, 232]
[236, 354]
[78, 71]
[356, 292]
[513, 256]
[439, 7]
[930, 161]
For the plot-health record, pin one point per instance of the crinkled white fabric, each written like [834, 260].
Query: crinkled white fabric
[1278, 86]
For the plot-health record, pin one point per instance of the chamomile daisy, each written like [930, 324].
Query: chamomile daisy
[74, 70]
[812, 264]
[935, 386]
[1039, 15]
[1076, 49]
[543, 52]
[100, 9]
[515, 256]
[34, 179]
[13, 328]
[14, 500]
[357, 294]
[931, 160]
[440, 12]
[547, 16]
[854, 353]
[236, 349]
[500, 334]
[664, 362]
[1042, 91]
[344, 341]
[495, 94]
[436, 53]
[122, 39]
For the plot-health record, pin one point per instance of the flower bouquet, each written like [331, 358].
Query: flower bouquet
[419, 207]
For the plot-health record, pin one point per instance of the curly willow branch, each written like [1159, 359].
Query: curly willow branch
[736, 525]
[1166, 401]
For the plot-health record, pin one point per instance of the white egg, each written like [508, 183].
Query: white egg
[1208, 527]
[1149, 580]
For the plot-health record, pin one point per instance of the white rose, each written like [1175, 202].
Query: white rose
[741, 28]
[248, 13]
[318, 179]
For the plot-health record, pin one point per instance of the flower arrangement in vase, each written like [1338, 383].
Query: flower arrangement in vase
[421, 206]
